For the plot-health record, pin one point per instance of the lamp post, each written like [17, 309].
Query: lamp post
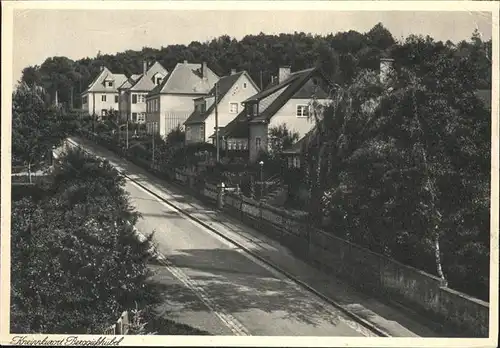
[261, 163]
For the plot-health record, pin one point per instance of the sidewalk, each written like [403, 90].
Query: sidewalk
[394, 321]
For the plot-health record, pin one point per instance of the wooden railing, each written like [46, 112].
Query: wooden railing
[121, 327]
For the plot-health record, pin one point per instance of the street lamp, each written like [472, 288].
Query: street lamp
[261, 163]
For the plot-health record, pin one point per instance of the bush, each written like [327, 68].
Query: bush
[76, 263]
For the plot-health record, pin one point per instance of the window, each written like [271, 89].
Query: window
[257, 143]
[296, 162]
[141, 117]
[142, 98]
[244, 85]
[84, 100]
[134, 98]
[134, 117]
[202, 132]
[233, 108]
[116, 99]
[110, 83]
[302, 110]
[158, 80]
[103, 97]
[252, 109]
[104, 112]
[201, 107]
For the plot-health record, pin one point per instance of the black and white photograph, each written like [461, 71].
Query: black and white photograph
[231, 173]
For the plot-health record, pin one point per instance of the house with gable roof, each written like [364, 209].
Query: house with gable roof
[231, 91]
[286, 101]
[102, 94]
[133, 92]
[170, 103]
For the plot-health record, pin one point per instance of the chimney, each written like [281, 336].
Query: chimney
[144, 67]
[233, 71]
[204, 70]
[385, 69]
[284, 72]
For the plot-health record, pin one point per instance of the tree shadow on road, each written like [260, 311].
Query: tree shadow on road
[237, 284]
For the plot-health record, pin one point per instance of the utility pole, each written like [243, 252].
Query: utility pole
[93, 112]
[217, 120]
[153, 127]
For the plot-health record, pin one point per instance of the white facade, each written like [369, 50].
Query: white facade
[100, 102]
[230, 105]
[168, 111]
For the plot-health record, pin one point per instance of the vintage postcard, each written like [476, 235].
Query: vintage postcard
[250, 173]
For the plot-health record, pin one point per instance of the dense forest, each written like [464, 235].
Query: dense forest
[340, 55]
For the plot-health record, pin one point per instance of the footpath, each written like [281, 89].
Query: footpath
[395, 322]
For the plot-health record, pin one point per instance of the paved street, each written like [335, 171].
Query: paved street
[212, 285]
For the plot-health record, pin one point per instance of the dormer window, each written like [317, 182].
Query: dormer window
[252, 109]
[110, 83]
[201, 107]
[158, 80]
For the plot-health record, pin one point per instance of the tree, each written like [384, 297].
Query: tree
[37, 126]
[281, 138]
[76, 262]
[388, 165]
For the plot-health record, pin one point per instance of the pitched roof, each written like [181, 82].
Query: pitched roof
[105, 74]
[295, 86]
[144, 83]
[141, 82]
[156, 68]
[127, 84]
[225, 84]
[186, 78]
[119, 79]
[237, 128]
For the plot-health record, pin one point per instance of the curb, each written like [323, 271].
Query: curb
[355, 317]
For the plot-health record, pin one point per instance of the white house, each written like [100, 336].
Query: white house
[171, 103]
[102, 94]
[231, 91]
[288, 101]
[133, 92]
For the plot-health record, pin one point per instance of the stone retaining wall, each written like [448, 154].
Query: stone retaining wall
[363, 268]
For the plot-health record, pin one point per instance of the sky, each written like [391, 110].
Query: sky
[42, 33]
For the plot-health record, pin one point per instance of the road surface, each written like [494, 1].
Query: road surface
[211, 284]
